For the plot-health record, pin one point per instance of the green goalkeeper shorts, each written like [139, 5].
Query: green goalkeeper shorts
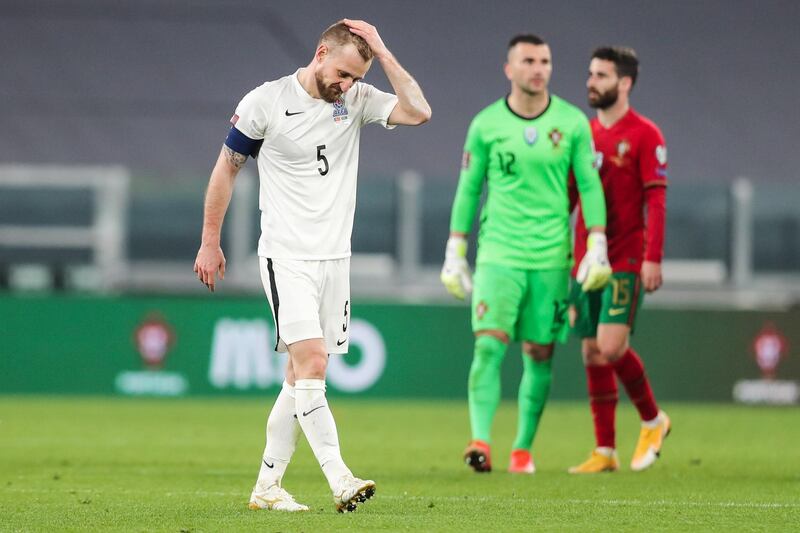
[529, 305]
[616, 303]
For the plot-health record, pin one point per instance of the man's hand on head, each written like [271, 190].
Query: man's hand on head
[369, 33]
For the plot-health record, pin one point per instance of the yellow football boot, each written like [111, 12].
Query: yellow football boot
[649, 446]
[596, 463]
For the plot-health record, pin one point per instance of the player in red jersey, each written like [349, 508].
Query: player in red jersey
[632, 159]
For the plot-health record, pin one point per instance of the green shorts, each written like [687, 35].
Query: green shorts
[529, 305]
[616, 303]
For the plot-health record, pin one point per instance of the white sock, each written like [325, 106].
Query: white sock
[316, 419]
[282, 434]
[605, 451]
[650, 424]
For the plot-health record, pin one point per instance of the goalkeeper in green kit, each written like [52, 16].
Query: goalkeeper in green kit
[524, 147]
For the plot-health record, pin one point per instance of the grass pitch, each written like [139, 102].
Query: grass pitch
[110, 464]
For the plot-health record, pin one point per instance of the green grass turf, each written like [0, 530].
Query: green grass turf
[100, 464]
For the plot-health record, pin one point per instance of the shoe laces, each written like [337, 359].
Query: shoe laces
[649, 433]
[285, 495]
[344, 483]
[280, 492]
[647, 436]
[596, 457]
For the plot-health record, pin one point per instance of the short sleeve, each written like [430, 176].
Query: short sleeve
[653, 158]
[251, 117]
[378, 105]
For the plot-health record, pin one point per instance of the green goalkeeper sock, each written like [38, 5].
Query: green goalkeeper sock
[484, 385]
[533, 391]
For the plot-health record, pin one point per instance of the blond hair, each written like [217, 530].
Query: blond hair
[339, 34]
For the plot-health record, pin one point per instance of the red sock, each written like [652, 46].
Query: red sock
[630, 371]
[603, 401]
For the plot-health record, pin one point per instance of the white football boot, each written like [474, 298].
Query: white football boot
[274, 498]
[350, 491]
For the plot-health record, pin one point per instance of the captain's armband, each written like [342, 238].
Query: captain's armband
[238, 146]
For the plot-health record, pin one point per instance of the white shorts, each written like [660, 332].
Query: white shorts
[309, 300]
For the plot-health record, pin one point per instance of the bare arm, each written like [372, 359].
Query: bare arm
[210, 258]
[412, 109]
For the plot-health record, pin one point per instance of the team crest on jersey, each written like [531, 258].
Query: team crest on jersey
[480, 309]
[339, 110]
[555, 137]
[623, 147]
[661, 154]
[598, 160]
[531, 135]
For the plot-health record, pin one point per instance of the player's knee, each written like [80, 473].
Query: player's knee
[489, 351]
[317, 365]
[538, 352]
[312, 365]
[487, 360]
[591, 354]
[610, 350]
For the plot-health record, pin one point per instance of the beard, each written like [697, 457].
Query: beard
[329, 93]
[599, 100]
[530, 90]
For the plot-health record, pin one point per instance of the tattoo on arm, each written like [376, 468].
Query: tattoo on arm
[234, 158]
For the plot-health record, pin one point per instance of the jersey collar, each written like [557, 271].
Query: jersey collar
[549, 101]
[629, 114]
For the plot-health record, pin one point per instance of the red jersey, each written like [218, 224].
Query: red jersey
[632, 161]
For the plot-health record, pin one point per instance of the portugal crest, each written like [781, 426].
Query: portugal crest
[153, 338]
[623, 148]
[531, 135]
[769, 347]
[555, 137]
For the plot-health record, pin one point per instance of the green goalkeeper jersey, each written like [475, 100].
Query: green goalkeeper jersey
[526, 164]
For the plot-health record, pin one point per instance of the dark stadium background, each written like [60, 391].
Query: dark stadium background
[149, 86]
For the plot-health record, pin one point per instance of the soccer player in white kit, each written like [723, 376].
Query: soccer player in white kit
[304, 131]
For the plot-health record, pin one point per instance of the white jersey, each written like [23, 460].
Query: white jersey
[308, 164]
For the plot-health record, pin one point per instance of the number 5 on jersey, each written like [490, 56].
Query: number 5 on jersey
[321, 157]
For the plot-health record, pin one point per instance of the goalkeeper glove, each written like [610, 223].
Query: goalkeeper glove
[455, 273]
[594, 270]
